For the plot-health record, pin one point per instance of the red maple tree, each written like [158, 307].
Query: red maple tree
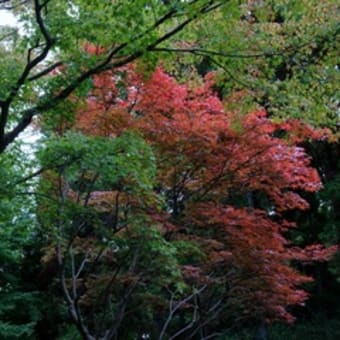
[227, 180]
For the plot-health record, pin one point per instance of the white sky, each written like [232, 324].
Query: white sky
[7, 18]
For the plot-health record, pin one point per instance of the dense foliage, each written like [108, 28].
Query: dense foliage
[185, 180]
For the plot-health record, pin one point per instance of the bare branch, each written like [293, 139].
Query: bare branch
[110, 333]
[190, 324]
[173, 308]
[204, 52]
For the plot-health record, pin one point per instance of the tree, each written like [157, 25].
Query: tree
[19, 296]
[302, 56]
[137, 29]
[278, 55]
[98, 217]
[226, 181]
[141, 174]
[209, 160]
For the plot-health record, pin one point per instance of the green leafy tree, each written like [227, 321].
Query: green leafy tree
[280, 55]
[97, 207]
[19, 296]
[121, 30]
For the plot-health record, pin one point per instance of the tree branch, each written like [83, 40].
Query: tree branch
[5, 139]
[174, 307]
[49, 103]
[45, 71]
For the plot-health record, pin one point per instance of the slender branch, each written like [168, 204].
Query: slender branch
[43, 169]
[105, 296]
[204, 52]
[112, 331]
[174, 307]
[229, 73]
[72, 302]
[5, 139]
[45, 71]
[33, 193]
[49, 42]
[190, 324]
[116, 212]
[213, 335]
[82, 265]
[213, 312]
[106, 64]
[73, 275]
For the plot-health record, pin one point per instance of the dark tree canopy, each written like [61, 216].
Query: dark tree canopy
[183, 180]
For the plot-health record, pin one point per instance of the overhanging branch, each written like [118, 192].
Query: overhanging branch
[105, 64]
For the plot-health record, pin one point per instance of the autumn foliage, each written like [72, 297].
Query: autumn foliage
[227, 180]
[181, 182]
